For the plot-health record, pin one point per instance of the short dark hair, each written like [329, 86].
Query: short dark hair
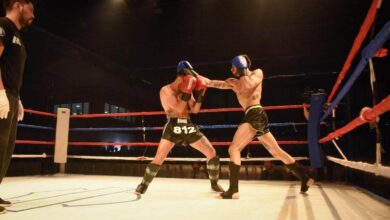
[248, 60]
[9, 3]
[244, 71]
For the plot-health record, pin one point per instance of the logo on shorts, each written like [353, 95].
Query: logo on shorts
[17, 41]
[2, 32]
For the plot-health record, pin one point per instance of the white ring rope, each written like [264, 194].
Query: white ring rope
[31, 155]
[371, 168]
[183, 159]
[146, 158]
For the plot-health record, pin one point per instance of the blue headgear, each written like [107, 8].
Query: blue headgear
[183, 64]
[241, 62]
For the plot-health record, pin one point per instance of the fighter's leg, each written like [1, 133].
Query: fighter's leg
[270, 143]
[204, 146]
[242, 137]
[213, 166]
[7, 144]
[152, 169]
[273, 147]
[164, 147]
[4, 151]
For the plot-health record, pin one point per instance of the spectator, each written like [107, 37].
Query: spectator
[272, 172]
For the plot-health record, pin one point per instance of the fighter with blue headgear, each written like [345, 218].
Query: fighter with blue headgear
[248, 86]
[180, 98]
[184, 68]
[242, 63]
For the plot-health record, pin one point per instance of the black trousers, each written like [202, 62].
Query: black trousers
[8, 135]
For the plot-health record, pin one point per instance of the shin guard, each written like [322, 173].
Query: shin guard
[150, 172]
[213, 169]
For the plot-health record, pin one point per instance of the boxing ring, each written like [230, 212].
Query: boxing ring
[66, 195]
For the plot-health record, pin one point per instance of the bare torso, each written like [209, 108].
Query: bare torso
[248, 88]
[170, 102]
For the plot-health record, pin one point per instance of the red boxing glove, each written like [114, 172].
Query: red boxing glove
[186, 87]
[200, 90]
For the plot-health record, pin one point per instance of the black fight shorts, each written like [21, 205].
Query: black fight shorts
[257, 118]
[181, 131]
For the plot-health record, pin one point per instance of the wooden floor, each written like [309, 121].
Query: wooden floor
[72, 197]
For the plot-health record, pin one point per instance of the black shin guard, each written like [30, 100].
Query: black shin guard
[150, 172]
[213, 168]
[298, 171]
[233, 179]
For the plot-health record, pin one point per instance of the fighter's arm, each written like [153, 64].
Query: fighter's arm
[306, 112]
[220, 84]
[194, 106]
[198, 94]
[1, 54]
[4, 103]
[170, 101]
[1, 48]
[5, 38]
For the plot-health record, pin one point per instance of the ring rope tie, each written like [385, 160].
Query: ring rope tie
[366, 115]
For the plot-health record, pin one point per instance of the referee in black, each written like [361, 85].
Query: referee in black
[19, 14]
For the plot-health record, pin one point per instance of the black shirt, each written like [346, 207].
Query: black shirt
[13, 58]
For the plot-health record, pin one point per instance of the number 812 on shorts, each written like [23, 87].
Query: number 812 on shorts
[184, 129]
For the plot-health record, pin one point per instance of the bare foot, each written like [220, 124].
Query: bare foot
[227, 195]
[305, 186]
[310, 182]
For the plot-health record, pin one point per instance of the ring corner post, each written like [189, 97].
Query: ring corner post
[316, 154]
[62, 136]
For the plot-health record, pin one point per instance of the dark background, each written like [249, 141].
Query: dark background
[119, 48]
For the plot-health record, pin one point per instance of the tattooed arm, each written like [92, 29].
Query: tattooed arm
[220, 84]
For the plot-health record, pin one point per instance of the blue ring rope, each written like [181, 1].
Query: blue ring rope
[35, 127]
